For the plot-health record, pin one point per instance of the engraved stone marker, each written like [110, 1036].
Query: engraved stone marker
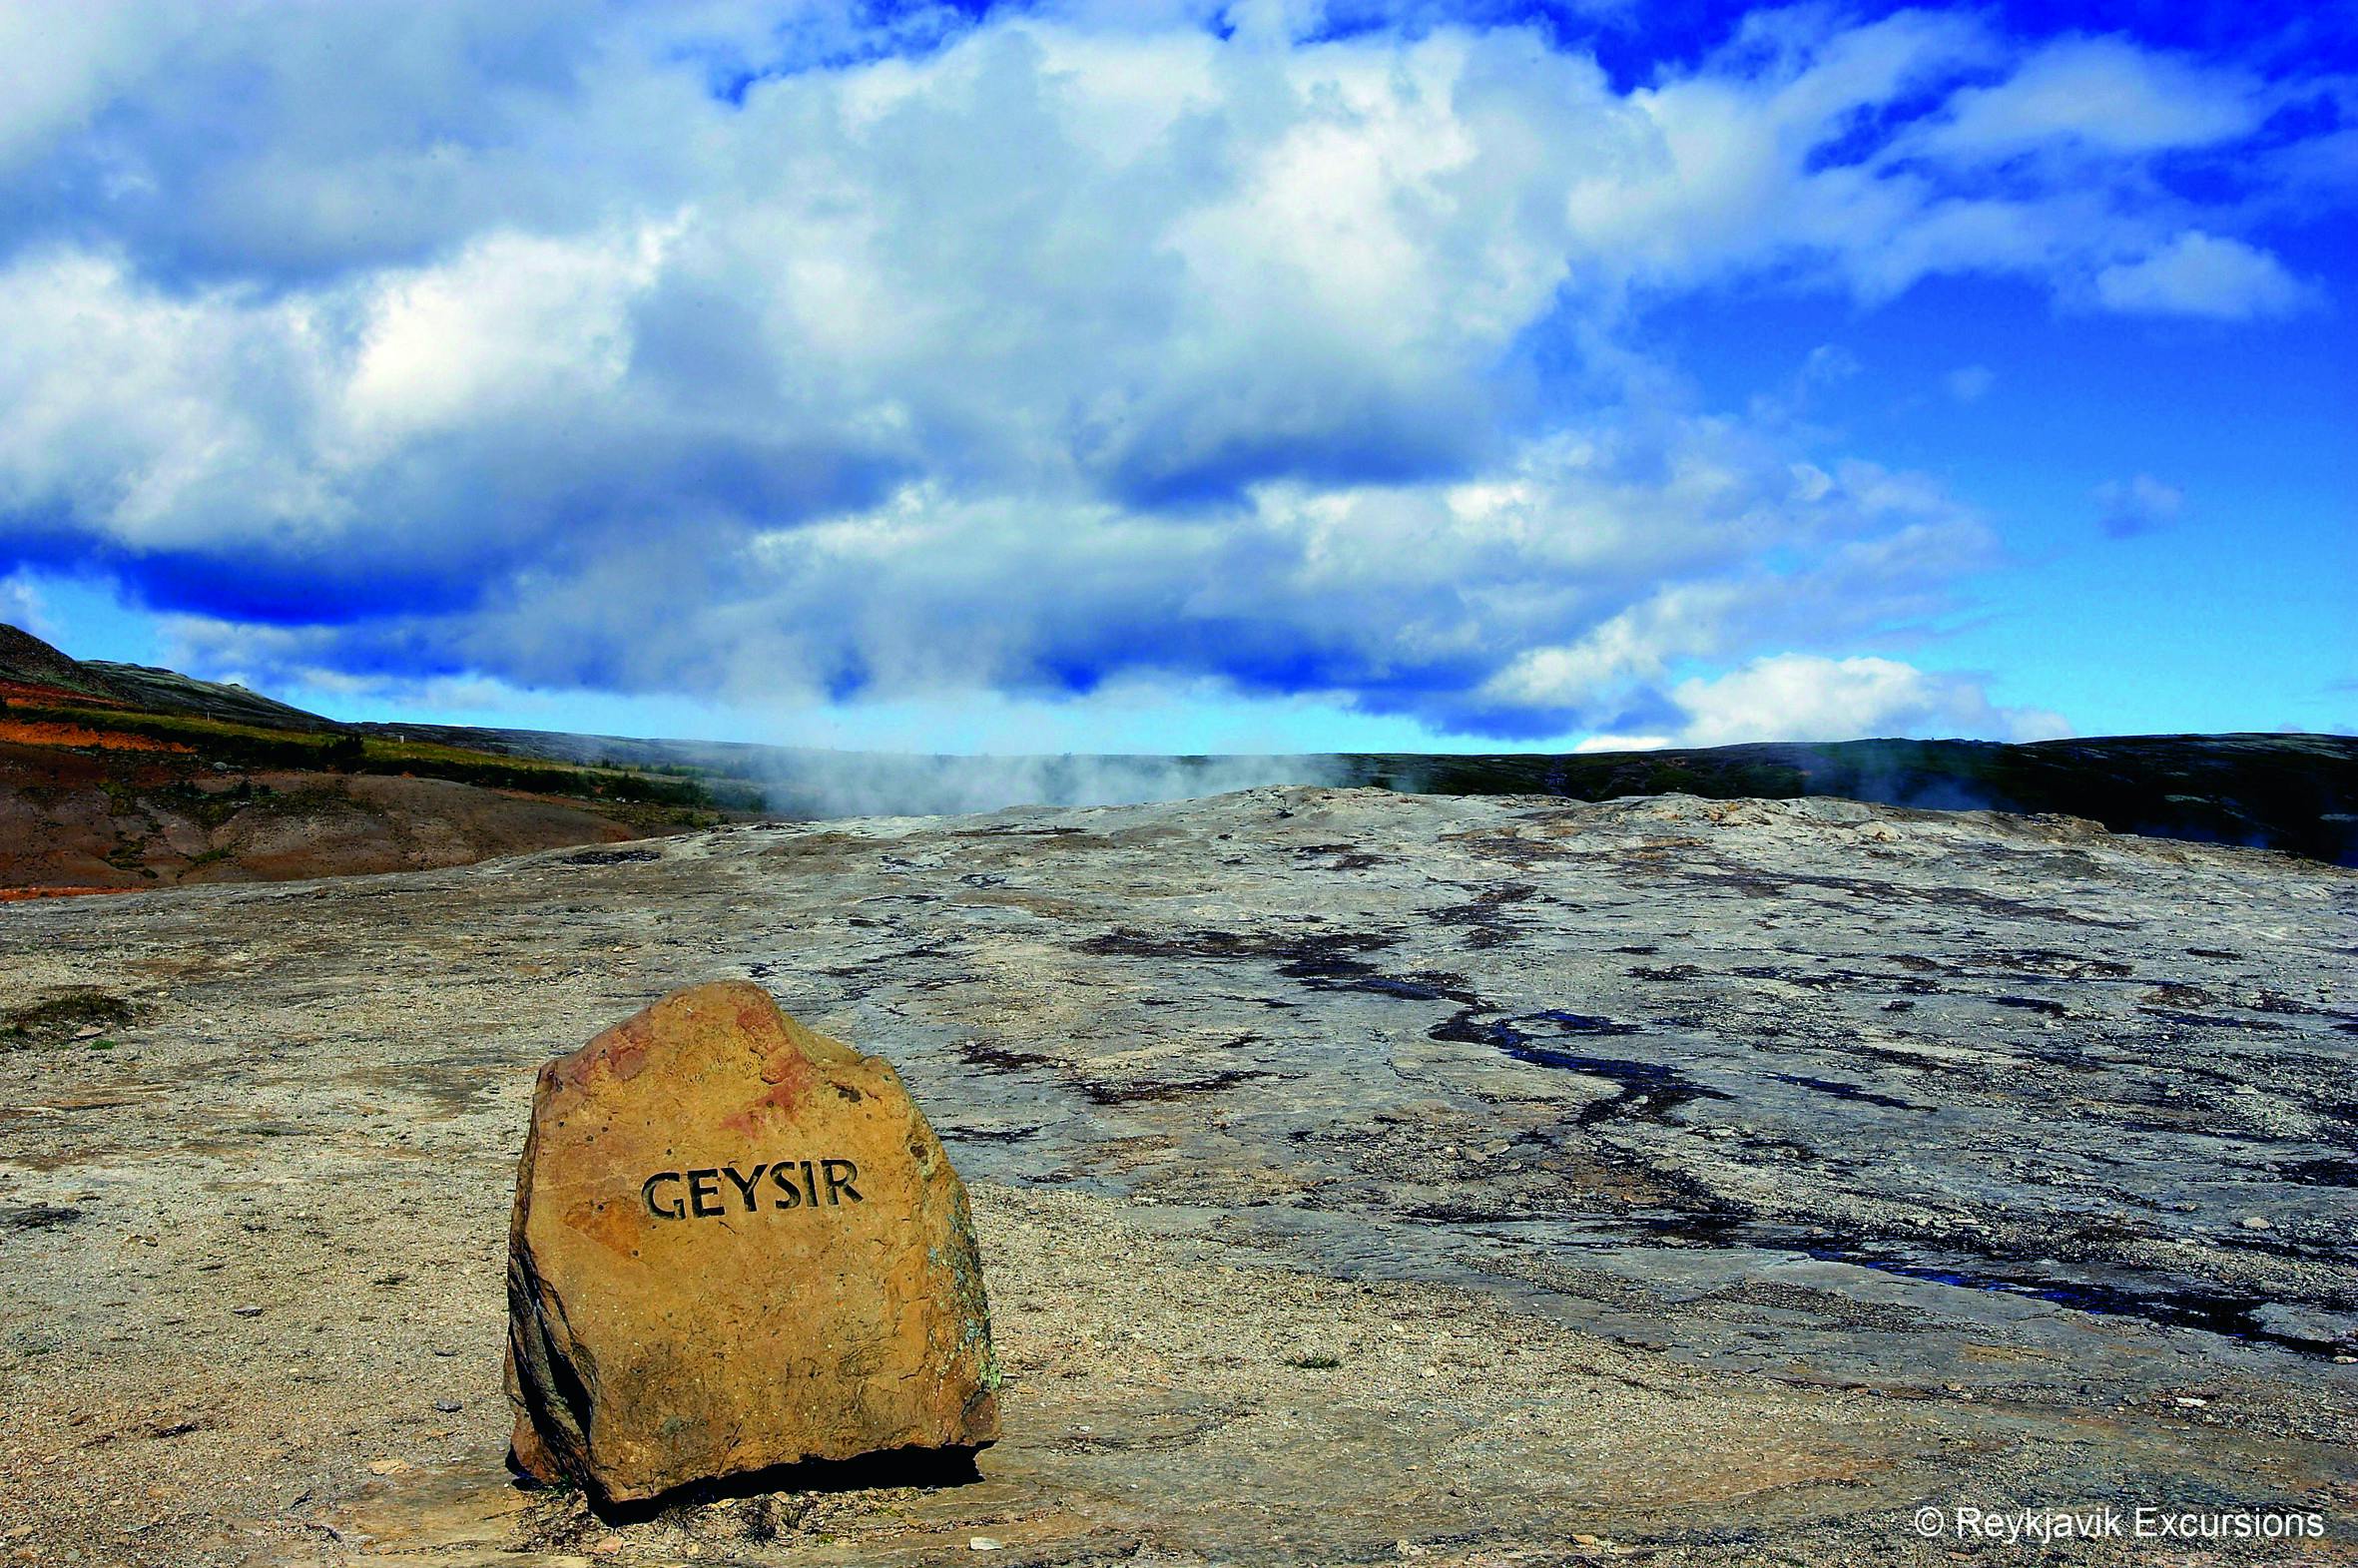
[736, 1243]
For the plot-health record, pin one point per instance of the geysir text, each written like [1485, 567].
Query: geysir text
[723, 1189]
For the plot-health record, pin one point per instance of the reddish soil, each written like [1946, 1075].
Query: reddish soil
[97, 817]
[41, 731]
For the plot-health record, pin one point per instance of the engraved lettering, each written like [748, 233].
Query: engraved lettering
[744, 1184]
[677, 1210]
[702, 1193]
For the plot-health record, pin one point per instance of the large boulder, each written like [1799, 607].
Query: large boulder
[736, 1243]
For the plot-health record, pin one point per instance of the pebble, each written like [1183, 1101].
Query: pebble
[447, 1406]
[2255, 1222]
[245, 1311]
[982, 1543]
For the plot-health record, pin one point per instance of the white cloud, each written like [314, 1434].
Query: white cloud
[2100, 94]
[1970, 384]
[1051, 353]
[510, 324]
[1797, 697]
[2141, 505]
[21, 605]
[2203, 275]
[65, 63]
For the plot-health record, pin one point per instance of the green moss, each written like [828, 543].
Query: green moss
[129, 853]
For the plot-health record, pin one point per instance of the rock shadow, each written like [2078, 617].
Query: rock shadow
[930, 1469]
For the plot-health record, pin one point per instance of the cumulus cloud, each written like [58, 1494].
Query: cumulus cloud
[2107, 95]
[1622, 742]
[1798, 696]
[1970, 384]
[21, 604]
[2203, 275]
[2141, 505]
[780, 351]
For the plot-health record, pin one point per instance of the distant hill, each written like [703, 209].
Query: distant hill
[25, 657]
[27, 661]
[115, 778]
[2293, 793]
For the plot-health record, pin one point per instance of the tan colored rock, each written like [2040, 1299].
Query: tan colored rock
[736, 1243]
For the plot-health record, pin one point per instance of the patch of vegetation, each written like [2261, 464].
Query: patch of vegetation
[65, 1015]
[1319, 1363]
[316, 800]
[429, 759]
[129, 853]
[217, 739]
[250, 747]
[211, 810]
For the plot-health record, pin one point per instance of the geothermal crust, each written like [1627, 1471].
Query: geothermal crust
[1357, 1176]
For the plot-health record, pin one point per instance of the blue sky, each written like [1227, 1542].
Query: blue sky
[1282, 375]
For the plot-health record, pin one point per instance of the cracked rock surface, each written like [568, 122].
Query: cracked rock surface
[1357, 1176]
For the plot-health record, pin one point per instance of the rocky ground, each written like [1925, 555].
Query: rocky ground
[1360, 1176]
